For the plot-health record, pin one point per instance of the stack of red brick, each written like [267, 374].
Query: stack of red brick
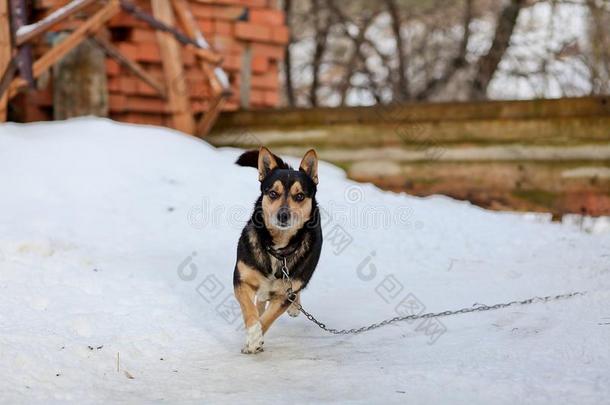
[230, 26]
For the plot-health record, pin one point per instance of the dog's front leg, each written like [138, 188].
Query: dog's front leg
[276, 307]
[254, 338]
[261, 306]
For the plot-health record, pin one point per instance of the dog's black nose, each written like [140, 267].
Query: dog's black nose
[283, 216]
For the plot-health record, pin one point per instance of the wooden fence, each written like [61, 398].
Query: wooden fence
[541, 155]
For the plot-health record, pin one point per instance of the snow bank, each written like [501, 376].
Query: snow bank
[119, 239]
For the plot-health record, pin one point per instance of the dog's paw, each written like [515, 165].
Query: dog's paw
[254, 340]
[293, 311]
[249, 350]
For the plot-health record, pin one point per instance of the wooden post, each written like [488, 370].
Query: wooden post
[23, 52]
[173, 68]
[80, 86]
[246, 78]
[5, 53]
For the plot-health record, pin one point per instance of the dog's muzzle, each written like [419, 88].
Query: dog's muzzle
[283, 217]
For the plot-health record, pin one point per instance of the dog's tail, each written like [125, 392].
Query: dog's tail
[250, 159]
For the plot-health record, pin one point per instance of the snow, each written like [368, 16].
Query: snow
[119, 240]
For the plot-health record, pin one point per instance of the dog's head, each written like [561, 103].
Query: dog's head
[288, 195]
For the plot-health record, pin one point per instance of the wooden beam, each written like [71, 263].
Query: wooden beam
[216, 76]
[187, 20]
[209, 56]
[30, 31]
[155, 23]
[5, 53]
[135, 67]
[205, 51]
[92, 25]
[245, 83]
[173, 68]
[211, 115]
[7, 76]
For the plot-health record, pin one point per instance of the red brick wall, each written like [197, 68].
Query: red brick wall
[132, 100]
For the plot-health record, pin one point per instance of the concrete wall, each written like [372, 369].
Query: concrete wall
[543, 155]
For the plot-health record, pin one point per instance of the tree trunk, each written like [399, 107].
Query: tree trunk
[287, 57]
[599, 36]
[402, 91]
[488, 63]
[322, 28]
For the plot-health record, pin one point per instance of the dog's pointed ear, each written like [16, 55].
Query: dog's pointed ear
[309, 165]
[266, 163]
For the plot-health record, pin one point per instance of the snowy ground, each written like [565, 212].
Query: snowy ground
[119, 239]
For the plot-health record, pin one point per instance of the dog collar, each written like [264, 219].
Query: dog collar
[282, 253]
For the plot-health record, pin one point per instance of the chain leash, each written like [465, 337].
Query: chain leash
[291, 297]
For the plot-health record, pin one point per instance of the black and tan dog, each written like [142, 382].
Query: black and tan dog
[285, 224]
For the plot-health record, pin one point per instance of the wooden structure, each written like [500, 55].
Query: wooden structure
[176, 63]
[537, 155]
[5, 55]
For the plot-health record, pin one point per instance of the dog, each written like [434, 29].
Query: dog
[284, 228]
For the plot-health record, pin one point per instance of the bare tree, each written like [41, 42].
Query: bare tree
[356, 61]
[458, 62]
[362, 52]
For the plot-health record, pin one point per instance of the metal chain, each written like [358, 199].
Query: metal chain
[291, 296]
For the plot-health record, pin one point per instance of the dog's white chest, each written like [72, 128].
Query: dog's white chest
[263, 291]
[266, 287]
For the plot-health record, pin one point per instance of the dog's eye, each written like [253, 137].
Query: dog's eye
[299, 197]
[273, 195]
